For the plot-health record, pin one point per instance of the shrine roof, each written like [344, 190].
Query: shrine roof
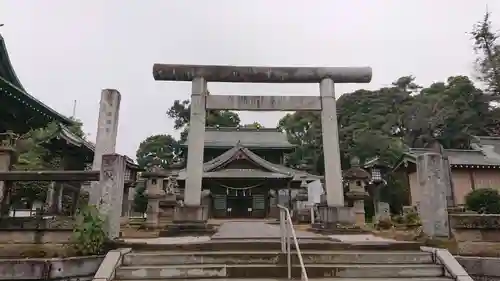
[76, 141]
[11, 87]
[476, 158]
[271, 170]
[264, 138]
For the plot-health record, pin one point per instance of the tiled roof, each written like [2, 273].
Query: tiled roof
[459, 157]
[247, 137]
[274, 170]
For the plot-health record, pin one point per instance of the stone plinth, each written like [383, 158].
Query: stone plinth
[189, 220]
[358, 208]
[476, 234]
[111, 185]
[191, 214]
[167, 209]
[336, 220]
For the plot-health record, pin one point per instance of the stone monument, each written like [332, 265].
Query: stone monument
[325, 103]
[432, 181]
[107, 131]
[383, 211]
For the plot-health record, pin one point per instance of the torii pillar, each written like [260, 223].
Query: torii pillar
[326, 77]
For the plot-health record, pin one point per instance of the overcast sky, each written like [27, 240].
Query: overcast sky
[69, 50]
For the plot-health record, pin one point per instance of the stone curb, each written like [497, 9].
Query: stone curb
[113, 259]
[453, 268]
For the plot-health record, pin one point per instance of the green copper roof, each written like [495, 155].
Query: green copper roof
[10, 85]
[247, 137]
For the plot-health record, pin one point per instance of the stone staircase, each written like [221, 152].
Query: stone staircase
[264, 265]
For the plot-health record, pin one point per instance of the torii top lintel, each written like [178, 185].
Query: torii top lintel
[260, 74]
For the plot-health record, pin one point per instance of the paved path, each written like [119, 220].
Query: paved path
[255, 229]
[169, 240]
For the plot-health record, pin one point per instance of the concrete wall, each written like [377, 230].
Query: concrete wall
[464, 180]
[75, 268]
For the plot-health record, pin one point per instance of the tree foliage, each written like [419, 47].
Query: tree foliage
[32, 153]
[488, 51]
[157, 150]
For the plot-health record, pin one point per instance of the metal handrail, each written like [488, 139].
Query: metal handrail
[286, 219]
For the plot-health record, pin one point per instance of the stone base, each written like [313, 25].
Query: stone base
[189, 221]
[187, 229]
[336, 220]
[191, 214]
[336, 215]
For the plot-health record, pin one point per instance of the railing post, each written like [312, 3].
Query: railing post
[282, 231]
[312, 215]
[288, 248]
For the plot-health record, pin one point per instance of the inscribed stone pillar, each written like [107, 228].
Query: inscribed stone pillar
[112, 180]
[432, 182]
[196, 142]
[107, 130]
[333, 171]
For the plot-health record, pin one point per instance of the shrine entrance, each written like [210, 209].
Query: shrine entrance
[239, 203]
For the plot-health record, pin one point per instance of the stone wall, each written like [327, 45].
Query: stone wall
[40, 236]
[75, 268]
[481, 268]
[476, 234]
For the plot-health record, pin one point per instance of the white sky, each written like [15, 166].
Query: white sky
[69, 50]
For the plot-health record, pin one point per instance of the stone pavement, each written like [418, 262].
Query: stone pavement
[255, 230]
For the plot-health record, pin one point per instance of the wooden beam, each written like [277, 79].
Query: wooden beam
[260, 74]
[263, 103]
[50, 176]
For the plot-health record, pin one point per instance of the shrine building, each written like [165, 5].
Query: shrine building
[244, 172]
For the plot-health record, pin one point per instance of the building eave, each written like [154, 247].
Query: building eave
[10, 83]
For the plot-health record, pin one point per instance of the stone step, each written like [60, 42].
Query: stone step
[271, 244]
[152, 272]
[312, 279]
[270, 257]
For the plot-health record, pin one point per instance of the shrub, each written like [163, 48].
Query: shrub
[384, 224]
[89, 236]
[483, 201]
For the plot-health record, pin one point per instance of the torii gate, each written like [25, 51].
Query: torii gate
[199, 75]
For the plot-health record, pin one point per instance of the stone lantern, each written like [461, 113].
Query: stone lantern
[154, 193]
[356, 179]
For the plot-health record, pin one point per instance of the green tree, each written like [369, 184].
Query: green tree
[157, 150]
[488, 51]
[254, 125]
[180, 112]
[140, 199]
